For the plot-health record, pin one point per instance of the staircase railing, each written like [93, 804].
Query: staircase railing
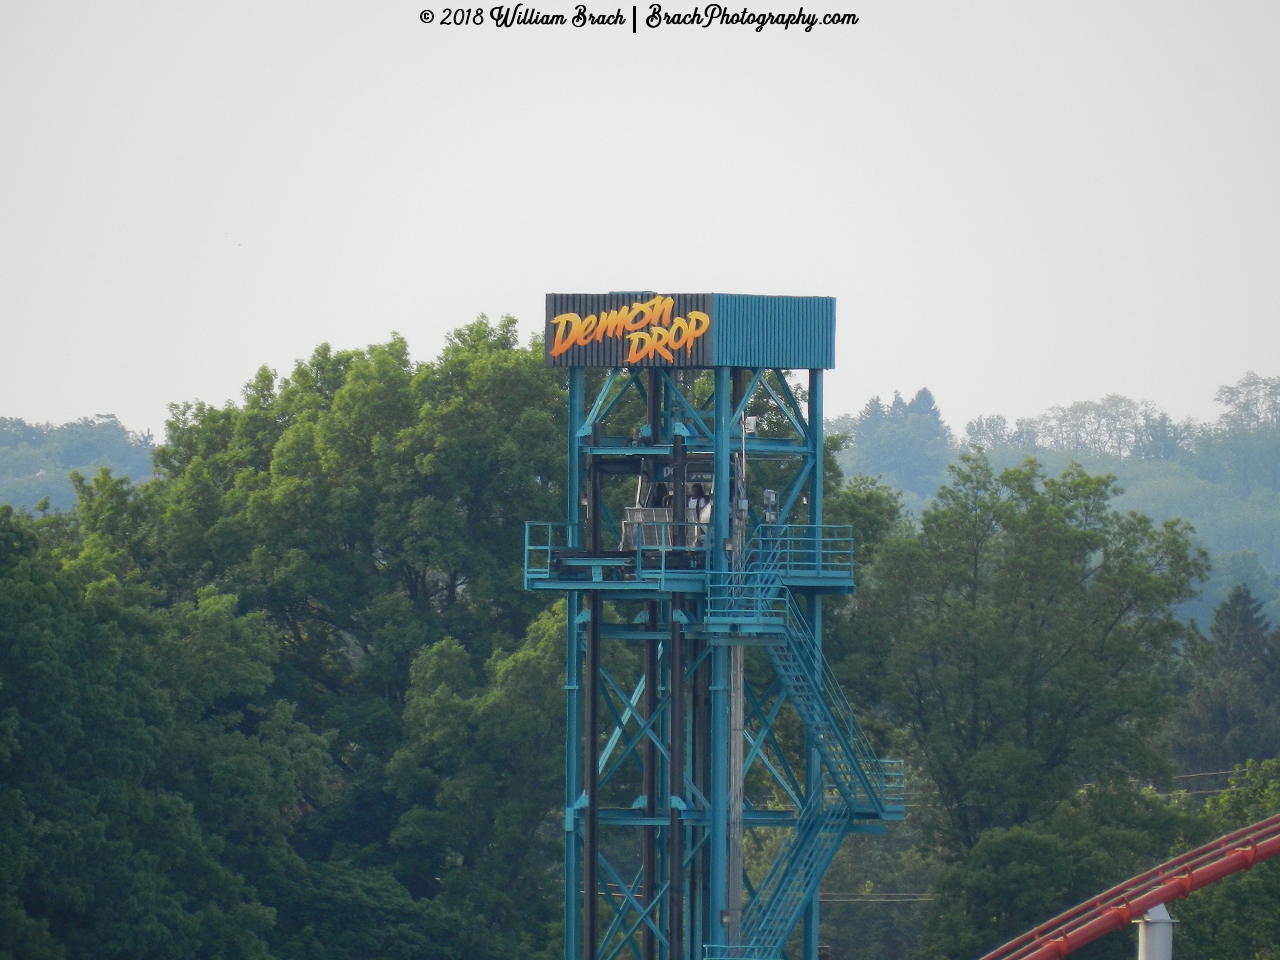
[752, 597]
[769, 919]
[791, 881]
[832, 707]
[823, 550]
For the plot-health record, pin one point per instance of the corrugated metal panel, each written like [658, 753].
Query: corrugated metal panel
[787, 332]
[611, 352]
[745, 330]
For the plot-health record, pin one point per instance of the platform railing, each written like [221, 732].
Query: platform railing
[666, 549]
[800, 548]
[664, 534]
[784, 549]
[743, 599]
[655, 551]
[541, 538]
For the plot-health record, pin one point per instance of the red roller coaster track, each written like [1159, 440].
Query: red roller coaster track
[1130, 900]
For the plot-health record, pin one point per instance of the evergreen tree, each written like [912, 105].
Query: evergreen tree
[905, 443]
[1232, 713]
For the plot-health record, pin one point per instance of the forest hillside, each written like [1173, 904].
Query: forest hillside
[1221, 477]
[36, 459]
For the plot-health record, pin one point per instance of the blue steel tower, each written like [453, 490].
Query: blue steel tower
[694, 560]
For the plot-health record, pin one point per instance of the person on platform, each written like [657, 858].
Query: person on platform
[659, 496]
[698, 511]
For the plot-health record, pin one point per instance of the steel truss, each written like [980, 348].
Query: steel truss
[699, 708]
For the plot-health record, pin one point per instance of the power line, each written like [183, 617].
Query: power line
[1216, 773]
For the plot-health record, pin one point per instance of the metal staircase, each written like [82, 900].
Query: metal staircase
[752, 599]
[813, 690]
[792, 880]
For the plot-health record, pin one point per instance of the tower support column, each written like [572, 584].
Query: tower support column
[813, 763]
[717, 881]
[676, 791]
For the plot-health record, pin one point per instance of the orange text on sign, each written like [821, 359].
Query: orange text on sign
[648, 327]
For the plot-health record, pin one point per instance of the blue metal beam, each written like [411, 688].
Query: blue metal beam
[573, 683]
[813, 764]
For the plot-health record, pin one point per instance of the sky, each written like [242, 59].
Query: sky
[1015, 204]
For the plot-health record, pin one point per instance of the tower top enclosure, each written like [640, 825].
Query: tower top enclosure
[646, 329]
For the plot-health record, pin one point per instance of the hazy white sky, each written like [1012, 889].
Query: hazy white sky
[1016, 204]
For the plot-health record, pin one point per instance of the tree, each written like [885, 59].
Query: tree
[36, 458]
[1240, 450]
[1113, 425]
[905, 442]
[372, 510]
[1019, 876]
[214, 741]
[1240, 915]
[481, 768]
[1024, 634]
[1253, 401]
[102, 856]
[1022, 639]
[874, 511]
[1232, 713]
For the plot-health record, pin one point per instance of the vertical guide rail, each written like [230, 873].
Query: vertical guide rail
[675, 770]
[649, 946]
[675, 722]
[736, 724]
[591, 732]
[649, 840]
[717, 880]
[573, 681]
[733, 891]
[591, 781]
[813, 763]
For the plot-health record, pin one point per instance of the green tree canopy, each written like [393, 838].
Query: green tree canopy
[1024, 632]
[102, 856]
[222, 691]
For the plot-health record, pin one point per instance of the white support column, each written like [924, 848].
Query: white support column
[1155, 934]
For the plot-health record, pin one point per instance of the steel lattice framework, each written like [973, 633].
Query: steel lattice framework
[700, 707]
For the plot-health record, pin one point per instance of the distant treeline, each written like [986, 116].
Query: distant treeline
[1221, 477]
[36, 459]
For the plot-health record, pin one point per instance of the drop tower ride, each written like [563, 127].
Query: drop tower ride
[694, 559]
